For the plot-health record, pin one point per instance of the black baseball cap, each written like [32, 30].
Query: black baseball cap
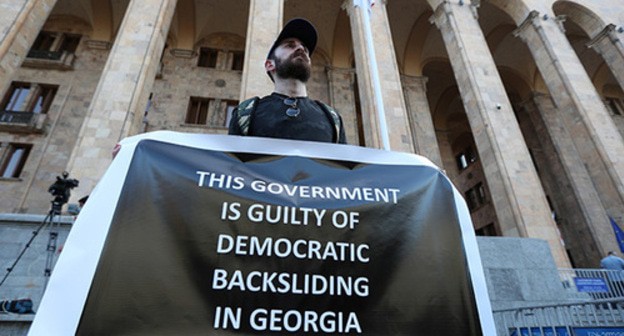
[298, 28]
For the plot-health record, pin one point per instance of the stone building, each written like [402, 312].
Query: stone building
[519, 101]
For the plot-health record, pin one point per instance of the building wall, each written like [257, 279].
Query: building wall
[182, 79]
[52, 147]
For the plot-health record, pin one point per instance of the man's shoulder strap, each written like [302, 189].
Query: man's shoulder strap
[243, 113]
[334, 117]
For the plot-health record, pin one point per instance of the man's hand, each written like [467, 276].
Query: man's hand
[116, 150]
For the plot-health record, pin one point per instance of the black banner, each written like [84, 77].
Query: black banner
[209, 242]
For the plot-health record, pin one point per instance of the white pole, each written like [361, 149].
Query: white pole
[370, 49]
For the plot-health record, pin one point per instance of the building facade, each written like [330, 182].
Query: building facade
[520, 102]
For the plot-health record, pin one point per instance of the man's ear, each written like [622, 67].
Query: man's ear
[269, 65]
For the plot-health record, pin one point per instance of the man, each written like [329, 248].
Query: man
[288, 113]
[615, 265]
[612, 262]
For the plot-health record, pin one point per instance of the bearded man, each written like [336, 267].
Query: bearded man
[288, 112]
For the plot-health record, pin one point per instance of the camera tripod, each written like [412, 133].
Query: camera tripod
[52, 220]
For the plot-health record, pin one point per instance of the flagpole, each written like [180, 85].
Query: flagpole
[370, 50]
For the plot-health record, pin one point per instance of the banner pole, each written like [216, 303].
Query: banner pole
[370, 50]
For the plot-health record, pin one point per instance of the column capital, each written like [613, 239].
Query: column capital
[609, 32]
[446, 8]
[474, 7]
[532, 20]
[609, 45]
[561, 19]
[347, 6]
[349, 3]
[443, 10]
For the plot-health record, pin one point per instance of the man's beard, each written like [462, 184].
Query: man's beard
[291, 68]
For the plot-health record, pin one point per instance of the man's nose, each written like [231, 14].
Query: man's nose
[300, 46]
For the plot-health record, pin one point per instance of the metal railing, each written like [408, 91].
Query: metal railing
[62, 60]
[598, 316]
[45, 54]
[16, 117]
[596, 284]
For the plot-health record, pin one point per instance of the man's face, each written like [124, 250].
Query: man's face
[292, 60]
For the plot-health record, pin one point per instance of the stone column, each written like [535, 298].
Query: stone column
[609, 45]
[582, 209]
[517, 195]
[342, 98]
[20, 23]
[399, 134]
[117, 107]
[596, 138]
[263, 26]
[421, 124]
[448, 164]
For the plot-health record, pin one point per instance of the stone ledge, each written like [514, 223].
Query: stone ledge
[11, 317]
[32, 218]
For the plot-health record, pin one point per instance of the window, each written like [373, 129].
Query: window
[208, 58]
[15, 99]
[52, 45]
[14, 160]
[465, 158]
[197, 113]
[69, 43]
[27, 97]
[43, 99]
[238, 59]
[615, 105]
[45, 41]
[488, 231]
[210, 111]
[221, 59]
[475, 197]
[24, 106]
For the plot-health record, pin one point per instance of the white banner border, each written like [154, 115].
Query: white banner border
[62, 304]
